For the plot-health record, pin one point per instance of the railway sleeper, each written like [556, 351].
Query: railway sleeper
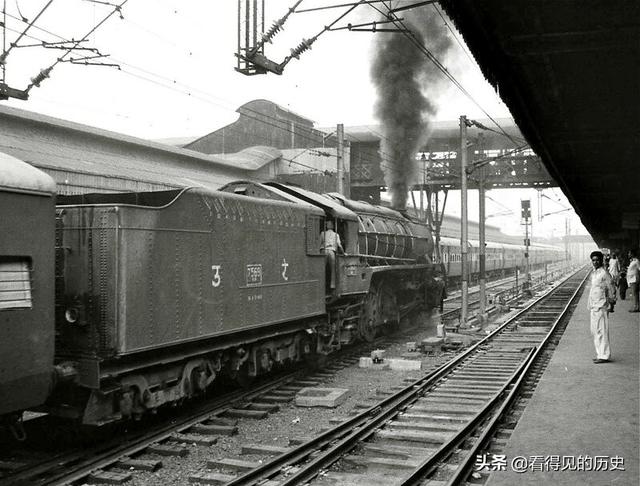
[381, 462]
[396, 451]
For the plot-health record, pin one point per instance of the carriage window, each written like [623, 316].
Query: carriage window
[15, 284]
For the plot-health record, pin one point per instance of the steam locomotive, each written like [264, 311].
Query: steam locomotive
[113, 305]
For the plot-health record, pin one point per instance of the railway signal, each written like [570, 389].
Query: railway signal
[525, 213]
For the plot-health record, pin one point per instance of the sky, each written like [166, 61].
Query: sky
[177, 76]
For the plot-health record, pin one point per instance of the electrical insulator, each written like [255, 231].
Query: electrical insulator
[303, 46]
[40, 77]
[275, 28]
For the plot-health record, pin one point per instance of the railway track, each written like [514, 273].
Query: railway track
[105, 462]
[502, 291]
[431, 431]
[199, 424]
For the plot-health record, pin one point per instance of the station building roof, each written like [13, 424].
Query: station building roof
[569, 73]
[82, 159]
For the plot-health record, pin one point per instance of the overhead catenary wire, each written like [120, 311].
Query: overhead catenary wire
[306, 44]
[45, 72]
[340, 5]
[425, 50]
[453, 33]
[5, 52]
[261, 114]
[174, 81]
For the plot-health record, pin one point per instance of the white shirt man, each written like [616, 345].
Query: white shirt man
[633, 279]
[602, 293]
[614, 269]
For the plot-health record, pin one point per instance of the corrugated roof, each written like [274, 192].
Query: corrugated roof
[252, 158]
[103, 160]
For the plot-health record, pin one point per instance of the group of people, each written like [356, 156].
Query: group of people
[605, 281]
[624, 275]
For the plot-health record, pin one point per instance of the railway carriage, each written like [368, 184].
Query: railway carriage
[500, 258]
[27, 208]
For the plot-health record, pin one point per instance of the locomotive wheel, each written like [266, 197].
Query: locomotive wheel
[370, 315]
[389, 310]
[379, 311]
[242, 376]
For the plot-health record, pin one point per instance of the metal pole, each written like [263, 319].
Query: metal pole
[526, 257]
[255, 23]
[481, 238]
[422, 214]
[340, 158]
[463, 221]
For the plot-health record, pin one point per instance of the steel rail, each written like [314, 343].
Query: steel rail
[446, 448]
[489, 430]
[516, 379]
[100, 459]
[364, 423]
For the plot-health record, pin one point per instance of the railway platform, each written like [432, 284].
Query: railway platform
[581, 425]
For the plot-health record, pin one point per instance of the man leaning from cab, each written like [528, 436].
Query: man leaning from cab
[330, 244]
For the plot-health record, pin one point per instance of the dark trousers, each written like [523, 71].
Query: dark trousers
[330, 264]
[634, 288]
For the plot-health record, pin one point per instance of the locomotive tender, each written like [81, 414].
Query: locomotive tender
[159, 294]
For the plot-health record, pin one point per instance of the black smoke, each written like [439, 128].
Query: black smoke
[407, 82]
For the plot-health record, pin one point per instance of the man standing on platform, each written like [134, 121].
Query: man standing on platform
[633, 279]
[602, 294]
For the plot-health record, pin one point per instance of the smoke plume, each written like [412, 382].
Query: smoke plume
[407, 82]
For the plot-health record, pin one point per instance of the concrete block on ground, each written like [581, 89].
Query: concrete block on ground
[321, 397]
[368, 363]
[432, 344]
[377, 355]
[404, 364]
